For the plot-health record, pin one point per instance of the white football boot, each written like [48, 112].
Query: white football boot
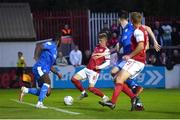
[40, 105]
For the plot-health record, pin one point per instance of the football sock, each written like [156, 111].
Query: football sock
[77, 83]
[83, 92]
[117, 89]
[43, 91]
[96, 91]
[34, 91]
[128, 91]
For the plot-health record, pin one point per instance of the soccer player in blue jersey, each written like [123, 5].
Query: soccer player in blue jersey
[45, 55]
[125, 43]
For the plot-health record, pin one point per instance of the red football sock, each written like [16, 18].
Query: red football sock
[117, 89]
[77, 83]
[96, 91]
[128, 91]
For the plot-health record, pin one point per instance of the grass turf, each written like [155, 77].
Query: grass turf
[159, 103]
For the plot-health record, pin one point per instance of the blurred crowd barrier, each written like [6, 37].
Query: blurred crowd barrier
[150, 77]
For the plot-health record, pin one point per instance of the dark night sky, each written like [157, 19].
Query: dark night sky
[149, 7]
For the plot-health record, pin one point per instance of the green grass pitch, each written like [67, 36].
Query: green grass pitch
[159, 103]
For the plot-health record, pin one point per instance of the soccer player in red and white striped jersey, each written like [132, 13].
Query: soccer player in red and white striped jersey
[99, 60]
[135, 62]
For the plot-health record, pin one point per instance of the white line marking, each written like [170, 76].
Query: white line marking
[49, 107]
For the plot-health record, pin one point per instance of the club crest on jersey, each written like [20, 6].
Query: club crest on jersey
[126, 30]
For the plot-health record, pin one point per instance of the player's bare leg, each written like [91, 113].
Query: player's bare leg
[137, 90]
[24, 90]
[114, 72]
[76, 81]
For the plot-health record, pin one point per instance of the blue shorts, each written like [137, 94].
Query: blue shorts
[39, 71]
[120, 64]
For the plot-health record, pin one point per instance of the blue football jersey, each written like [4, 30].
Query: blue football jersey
[125, 40]
[48, 56]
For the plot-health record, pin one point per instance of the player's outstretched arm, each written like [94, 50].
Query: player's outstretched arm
[157, 47]
[55, 72]
[37, 51]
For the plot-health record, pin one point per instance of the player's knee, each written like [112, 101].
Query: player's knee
[118, 80]
[73, 79]
[45, 78]
[91, 89]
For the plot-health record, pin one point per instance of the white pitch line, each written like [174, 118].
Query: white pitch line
[49, 107]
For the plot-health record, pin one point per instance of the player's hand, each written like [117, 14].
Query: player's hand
[157, 47]
[59, 75]
[126, 57]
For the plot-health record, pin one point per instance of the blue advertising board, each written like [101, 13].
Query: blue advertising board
[150, 77]
[104, 81]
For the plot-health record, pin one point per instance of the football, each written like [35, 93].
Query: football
[68, 100]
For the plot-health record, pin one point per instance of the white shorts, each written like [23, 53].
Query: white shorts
[133, 67]
[90, 74]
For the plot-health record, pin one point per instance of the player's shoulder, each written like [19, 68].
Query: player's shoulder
[49, 43]
[138, 31]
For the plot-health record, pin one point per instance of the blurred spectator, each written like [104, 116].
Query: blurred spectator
[114, 27]
[166, 35]
[66, 31]
[61, 60]
[163, 58]
[176, 57]
[175, 37]
[112, 46]
[107, 30]
[86, 57]
[20, 69]
[158, 32]
[75, 56]
[66, 40]
[153, 60]
[20, 65]
[113, 40]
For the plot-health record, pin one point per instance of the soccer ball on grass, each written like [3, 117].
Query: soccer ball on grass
[68, 100]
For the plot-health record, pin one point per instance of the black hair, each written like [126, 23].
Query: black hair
[123, 14]
[19, 52]
[56, 36]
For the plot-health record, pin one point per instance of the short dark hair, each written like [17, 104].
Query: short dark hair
[123, 14]
[56, 36]
[19, 52]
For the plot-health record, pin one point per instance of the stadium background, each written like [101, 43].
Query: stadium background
[41, 19]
